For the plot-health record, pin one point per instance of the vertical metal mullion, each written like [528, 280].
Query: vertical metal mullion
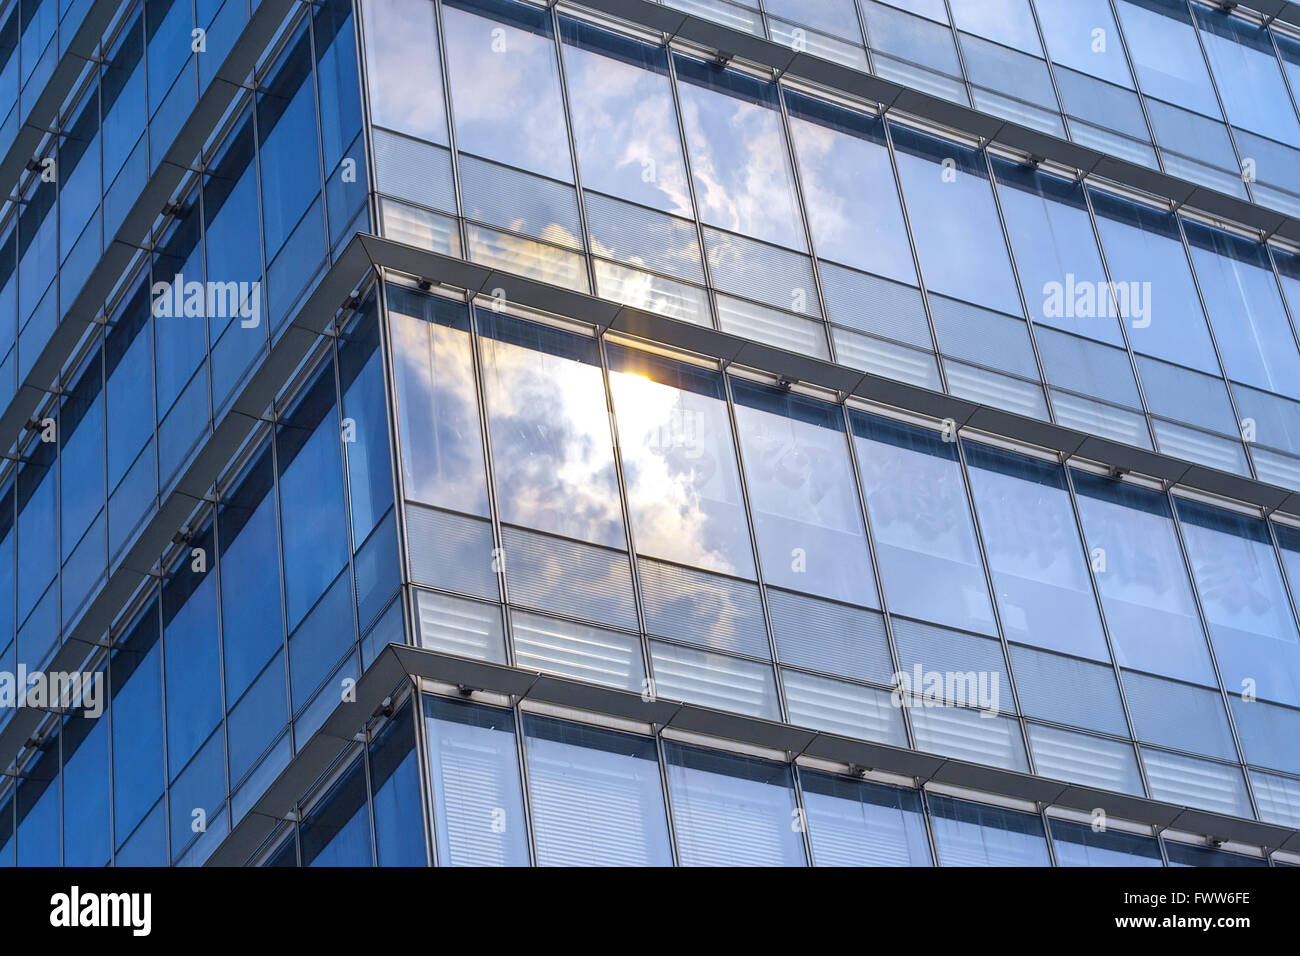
[916, 252]
[453, 152]
[579, 195]
[525, 797]
[666, 786]
[428, 799]
[801, 808]
[370, 790]
[1224, 374]
[1137, 87]
[494, 510]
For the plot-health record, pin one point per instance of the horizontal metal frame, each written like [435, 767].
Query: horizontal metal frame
[225, 86]
[732, 349]
[256, 395]
[784, 61]
[34, 126]
[398, 662]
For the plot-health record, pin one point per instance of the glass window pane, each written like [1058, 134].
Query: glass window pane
[478, 808]
[958, 233]
[1250, 77]
[1056, 252]
[1034, 552]
[974, 834]
[551, 446]
[1081, 34]
[920, 517]
[730, 810]
[624, 120]
[403, 67]
[1080, 845]
[1166, 54]
[801, 487]
[1245, 306]
[849, 188]
[856, 823]
[739, 159]
[596, 796]
[437, 408]
[1251, 624]
[1139, 570]
[495, 63]
[679, 462]
[1149, 268]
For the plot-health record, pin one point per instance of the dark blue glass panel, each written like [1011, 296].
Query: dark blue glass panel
[395, 780]
[337, 831]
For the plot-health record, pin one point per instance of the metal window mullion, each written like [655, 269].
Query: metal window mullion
[1224, 375]
[428, 799]
[696, 214]
[566, 109]
[494, 509]
[525, 795]
[453, 152]
[666, 786]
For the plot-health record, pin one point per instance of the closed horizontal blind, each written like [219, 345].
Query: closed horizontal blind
[577, 650]
[556, 574]
[701, 608]
[457, 626]
[714, 680]
[1085, 759]
[820, 703]
[834, 638]
[451, 551]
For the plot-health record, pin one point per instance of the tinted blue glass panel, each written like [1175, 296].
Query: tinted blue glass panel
[437, 407]
[920, 517]
[1139, 570]
[1079, 845]
[313, 530]
[1070, 30]
[337, 831]
[624, 120]
[679, 463]
[1166, 54]
[739, 158]
[955, 223]
[801, 488]
[1149, 266]
[1250, 77]
[1039, 571]
[191, 651]
[403, 67]
[395, 781]
[1251, 624]
[973, 834]
[135, 676]
[1056, 252]
[497, 61]
[1245, 306]
[290, 158]
[849, 188]
[551, 443]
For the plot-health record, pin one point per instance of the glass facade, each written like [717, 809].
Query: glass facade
[398, 322]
